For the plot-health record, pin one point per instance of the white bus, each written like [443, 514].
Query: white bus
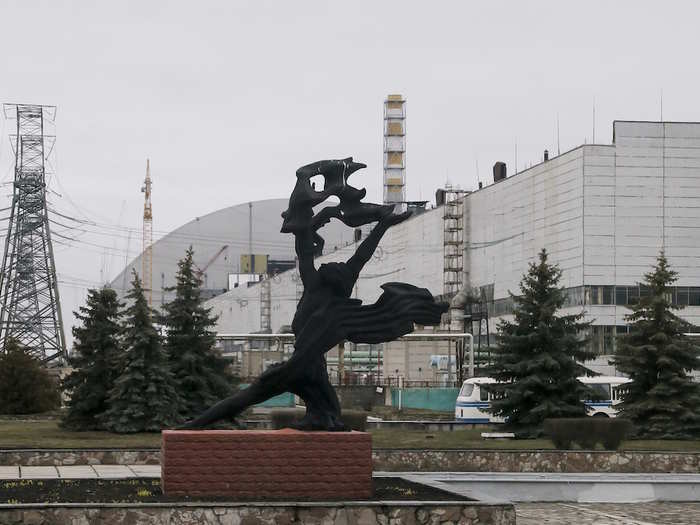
[472, 400]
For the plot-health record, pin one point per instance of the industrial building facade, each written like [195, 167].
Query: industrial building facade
[603, 212]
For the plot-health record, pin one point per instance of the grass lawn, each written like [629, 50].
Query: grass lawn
[471, 439]
[392, 413]
[47, 434]
[385, 438]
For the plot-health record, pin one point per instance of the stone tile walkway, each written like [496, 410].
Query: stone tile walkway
[80, 472]
[653, 513]
[11, 472]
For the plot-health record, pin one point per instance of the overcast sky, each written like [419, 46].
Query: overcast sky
[228, 98]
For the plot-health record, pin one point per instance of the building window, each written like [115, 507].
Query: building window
[574, 296]
[607, 295]
[644, 291]
[621, 295]
[633, 295]
[601, 295]
[608, 340]
[592, 297]
[694, 296]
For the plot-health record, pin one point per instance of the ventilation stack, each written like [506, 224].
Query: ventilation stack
[395, 152]
[499, 171]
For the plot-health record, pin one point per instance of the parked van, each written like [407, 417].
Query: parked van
[473, 401]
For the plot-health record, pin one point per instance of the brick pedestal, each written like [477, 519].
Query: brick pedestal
[259, 465]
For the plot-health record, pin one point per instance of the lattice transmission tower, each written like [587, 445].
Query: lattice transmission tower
[30, 311]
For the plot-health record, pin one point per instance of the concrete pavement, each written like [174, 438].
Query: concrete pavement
[80, 472]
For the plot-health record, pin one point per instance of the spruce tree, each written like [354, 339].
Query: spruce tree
[202, 375]
[539, 354]
[662, 401]
[25, 386]
[144, 397]
[95, 360]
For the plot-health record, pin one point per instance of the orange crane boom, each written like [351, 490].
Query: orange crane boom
[147, 256]
[200, 271]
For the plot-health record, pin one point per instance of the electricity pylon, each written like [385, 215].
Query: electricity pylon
[30, 312]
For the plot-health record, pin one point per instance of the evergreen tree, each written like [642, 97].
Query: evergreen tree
[662, 400]
[95, 360]
[144, 397]
[25, 386]
[539, 354]
[202, 375]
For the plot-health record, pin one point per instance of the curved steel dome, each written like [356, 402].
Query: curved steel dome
[228, 227]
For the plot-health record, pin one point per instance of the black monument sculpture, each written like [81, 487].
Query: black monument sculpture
[326, 314]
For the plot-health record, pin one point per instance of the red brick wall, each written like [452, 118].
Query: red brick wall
[267, 464]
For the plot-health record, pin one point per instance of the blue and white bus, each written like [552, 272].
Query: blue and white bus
[472, 400]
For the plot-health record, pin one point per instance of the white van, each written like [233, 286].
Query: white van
[472, 400]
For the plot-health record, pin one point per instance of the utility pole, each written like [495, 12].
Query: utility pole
[31, 308]
[147, 257]
[250, 237]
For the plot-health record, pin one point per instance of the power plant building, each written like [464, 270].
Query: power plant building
[602, 211]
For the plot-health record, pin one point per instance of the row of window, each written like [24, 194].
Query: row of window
[630, 295]
[601, 341]
[607, 295]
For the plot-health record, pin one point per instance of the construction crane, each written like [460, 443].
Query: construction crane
[147, 256]
[199, 272]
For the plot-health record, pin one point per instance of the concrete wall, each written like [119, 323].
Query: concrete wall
[449, 512]
[415, 460]
[511, 221]
[535, 461]
[412, 360]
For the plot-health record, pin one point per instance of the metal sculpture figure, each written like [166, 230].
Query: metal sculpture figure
[326, 314]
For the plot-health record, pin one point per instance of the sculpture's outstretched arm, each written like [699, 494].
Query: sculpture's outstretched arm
[364, 252]
[304, 246]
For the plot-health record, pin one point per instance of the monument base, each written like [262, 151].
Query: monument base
[256, 465]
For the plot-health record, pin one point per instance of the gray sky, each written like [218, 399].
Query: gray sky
[228, 98]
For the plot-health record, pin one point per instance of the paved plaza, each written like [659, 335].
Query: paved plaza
[656, 513]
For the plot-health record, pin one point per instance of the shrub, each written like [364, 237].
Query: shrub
[587, 432]
[617, 432]
[355, 419]
[25, 386]
[287, 417]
